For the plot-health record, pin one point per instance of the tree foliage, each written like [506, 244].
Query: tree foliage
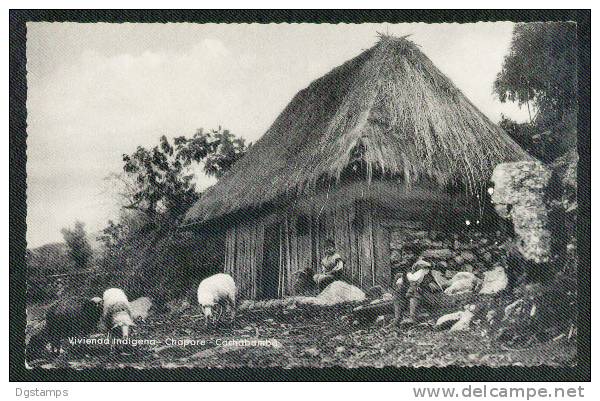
[541, 144]
[219, 150]
[142, 253]
[540, 71]
[160, 182]
[541, 68]
[114, 235]
[78, 245]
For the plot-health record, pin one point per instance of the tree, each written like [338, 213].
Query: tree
[228, 151]
[541, 145]
[141, 251]
[159, 182]
[78, 245]
[219, 150]
[540, 71]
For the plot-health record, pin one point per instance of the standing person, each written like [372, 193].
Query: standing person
[413, 287]
[332, 266]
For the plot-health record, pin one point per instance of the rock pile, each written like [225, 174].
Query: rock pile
[471, 252]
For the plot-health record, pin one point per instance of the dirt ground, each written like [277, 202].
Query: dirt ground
[302, 338]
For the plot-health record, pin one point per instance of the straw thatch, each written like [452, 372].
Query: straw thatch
[391, 108]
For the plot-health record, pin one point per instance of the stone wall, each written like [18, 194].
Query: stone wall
[471, 251]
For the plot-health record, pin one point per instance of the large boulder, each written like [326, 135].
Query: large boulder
[520, 190]
[461, 283]
[340, 292]
[494, 281]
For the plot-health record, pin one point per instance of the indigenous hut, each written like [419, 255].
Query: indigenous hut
[381, 144]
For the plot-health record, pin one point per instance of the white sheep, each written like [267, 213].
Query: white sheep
[140, 308]
[116, 311]
[218, 289]
[463, 282]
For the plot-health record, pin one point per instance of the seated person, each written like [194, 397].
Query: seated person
[413, 287]
[332, 266]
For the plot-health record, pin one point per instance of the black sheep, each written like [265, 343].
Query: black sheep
[69, 317]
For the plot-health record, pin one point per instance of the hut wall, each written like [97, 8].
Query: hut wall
[243, 255]
[365, 228]
[356, 233]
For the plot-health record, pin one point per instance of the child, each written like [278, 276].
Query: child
[332, 266]
[413, 287]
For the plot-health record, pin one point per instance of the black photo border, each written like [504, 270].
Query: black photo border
[18, 208]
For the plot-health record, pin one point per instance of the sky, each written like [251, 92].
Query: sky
[97, 91]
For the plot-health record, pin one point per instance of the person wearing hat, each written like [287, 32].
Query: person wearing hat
[411, 287]
[332, 266]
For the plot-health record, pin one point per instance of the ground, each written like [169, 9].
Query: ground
[306, 338]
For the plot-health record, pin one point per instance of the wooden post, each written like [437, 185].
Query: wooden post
[281, 247]
[371, 244]
[287, 237]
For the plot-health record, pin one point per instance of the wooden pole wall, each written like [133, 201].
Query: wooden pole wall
[357, 231]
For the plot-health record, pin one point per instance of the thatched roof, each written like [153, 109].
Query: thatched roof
[408, 119]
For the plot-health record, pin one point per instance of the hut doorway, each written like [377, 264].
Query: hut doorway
[269, 279]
